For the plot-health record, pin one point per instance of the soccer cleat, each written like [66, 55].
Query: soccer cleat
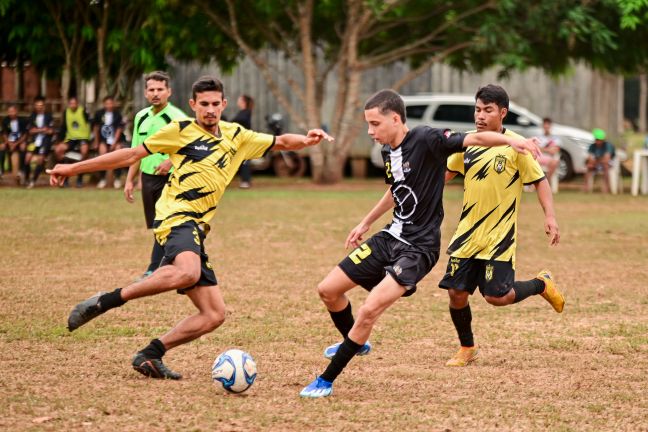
[463, 357]
[330, 351]
[317, 389]
[117, 184]
[551, 293]
[101, 184]
[153, 368]
[85, 311]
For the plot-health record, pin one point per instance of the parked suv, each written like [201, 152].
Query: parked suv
[456, 112]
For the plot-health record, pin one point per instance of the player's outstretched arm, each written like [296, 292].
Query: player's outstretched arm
[492, 139]
[545, 197]
[385, 204]
[117, 159]
[296, 141]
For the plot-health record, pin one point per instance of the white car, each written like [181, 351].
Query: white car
[456, 112]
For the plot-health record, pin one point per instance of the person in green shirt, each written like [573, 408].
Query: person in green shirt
[155, 168]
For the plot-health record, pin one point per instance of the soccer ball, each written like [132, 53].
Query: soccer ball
[235, 370]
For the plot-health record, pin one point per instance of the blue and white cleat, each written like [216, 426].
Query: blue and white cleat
[330, 351]
[317, 389]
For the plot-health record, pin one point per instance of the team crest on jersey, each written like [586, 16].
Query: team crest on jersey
[489, 272]
[406, 167]
[500, 164]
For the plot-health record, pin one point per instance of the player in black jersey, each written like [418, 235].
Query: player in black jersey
[390, 263]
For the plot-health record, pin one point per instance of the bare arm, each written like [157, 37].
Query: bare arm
[449, 175]
[117, 159]
[133, 170]
[385, 204]
[296, 141]
[492, 139]
[546, 201]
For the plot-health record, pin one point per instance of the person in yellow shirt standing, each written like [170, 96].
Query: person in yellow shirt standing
[482, 250]
[74, 134]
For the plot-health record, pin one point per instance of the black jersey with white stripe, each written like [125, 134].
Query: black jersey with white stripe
[416, 172]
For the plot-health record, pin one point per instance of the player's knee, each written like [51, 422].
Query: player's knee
[326, 292]
[367, 315]
[214, 320]
[458, 299]
[496, 301]
[187, 278]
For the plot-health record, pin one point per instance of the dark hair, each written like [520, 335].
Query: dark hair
[547, 120]
[387, 100]
[109, 97]
[249, 101]
[73, 98]
[157, 76]
[492, 93]
[39, 99]
[207, 83]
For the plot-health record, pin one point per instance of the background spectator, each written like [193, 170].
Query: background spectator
[41, 131]
[601, 153]
[245, 104]
[74, 132]
[14, 138]
[550, 146]
[108, 126]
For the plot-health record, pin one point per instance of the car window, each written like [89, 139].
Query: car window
[455, 113]
[415, 112]
[511, 119]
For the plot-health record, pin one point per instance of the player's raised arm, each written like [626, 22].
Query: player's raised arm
[296, 141]
[117, 159]
[492, 139]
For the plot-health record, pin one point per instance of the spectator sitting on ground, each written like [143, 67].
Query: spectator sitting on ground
[600, 155]
[550, 146]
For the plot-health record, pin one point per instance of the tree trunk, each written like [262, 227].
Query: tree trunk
[643, 102]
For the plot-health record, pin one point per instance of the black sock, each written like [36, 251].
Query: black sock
[111, 300]
[2, 159]
[343, 320]
[344, 354]
[154, 350]
[524, 289]
[37, 172]
[462, 320]
[26, 170]
[156, 256]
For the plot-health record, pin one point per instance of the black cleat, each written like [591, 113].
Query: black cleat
[84, 312]
[153, 368]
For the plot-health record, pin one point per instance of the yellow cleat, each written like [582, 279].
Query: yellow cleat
[551, 292]
[464, 356]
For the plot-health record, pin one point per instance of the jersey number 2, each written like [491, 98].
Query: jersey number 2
[360, 253]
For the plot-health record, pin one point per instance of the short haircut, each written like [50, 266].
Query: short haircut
[492, 93]
[249, 101]
[547, 120]
[71, 98]
[109, 97]
[39, 99]
[207, 83]
[157, 76]
[387, 100]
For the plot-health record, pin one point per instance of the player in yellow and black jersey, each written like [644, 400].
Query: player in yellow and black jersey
[482, 250]
[206, 154]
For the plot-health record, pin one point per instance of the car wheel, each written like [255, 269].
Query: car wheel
[566, 167]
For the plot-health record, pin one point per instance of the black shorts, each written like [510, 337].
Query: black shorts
[75, 144]
[383, 254]
[152, 186]
[189, 237]
[43, 149]
[494, 278]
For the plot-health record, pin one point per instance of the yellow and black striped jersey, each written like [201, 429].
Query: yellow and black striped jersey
[204, 164]
[493, 181]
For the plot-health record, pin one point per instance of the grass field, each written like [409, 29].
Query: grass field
[582, 370]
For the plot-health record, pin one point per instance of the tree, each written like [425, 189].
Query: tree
[346, 38]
